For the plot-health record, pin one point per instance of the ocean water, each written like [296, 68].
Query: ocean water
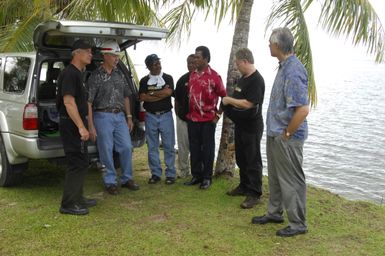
[345, 150]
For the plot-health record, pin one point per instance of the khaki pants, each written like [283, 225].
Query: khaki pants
[183, 147]
[287, 183]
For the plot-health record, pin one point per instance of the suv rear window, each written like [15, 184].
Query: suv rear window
[16, 74]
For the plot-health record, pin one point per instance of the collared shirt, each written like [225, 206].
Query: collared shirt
[205, 88]
[107, 90]
[290, 90]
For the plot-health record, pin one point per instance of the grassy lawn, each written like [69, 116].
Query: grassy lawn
[174, 220]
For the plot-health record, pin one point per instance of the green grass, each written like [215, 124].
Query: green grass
[174, 220]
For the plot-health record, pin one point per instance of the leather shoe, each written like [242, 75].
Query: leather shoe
[193, 181]
[74, 210]
[131, 185]
[250, 202]
[112, 189]
[265, 219]
[205, 184]
[89, 202]
[288, 231]
[154, 179]
[170, 180]
[238, 191]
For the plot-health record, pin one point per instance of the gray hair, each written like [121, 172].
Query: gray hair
[284, 39]
[245, 54]
[75, 52]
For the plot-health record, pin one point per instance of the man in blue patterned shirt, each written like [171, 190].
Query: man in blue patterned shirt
[286, 133]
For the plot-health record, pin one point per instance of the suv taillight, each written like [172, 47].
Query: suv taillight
[142, 115]
[30, 117]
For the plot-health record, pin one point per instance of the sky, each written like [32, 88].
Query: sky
[219, 40]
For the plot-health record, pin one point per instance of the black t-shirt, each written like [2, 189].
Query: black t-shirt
[251, 88]
[160, 105]
[70, 82]
[181, 96]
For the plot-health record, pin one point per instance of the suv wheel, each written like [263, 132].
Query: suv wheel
[9, 174]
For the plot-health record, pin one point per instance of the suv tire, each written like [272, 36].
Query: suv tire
[9, 174]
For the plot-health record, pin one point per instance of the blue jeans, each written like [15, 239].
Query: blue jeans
[113, 134]
[164, 125]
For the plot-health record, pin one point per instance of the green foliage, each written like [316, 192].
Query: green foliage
[174, 220]
[355, 19]
[291, 14]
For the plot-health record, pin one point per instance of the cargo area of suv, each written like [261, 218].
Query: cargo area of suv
[28, 89]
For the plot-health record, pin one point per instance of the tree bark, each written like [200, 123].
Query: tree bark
[225, 163]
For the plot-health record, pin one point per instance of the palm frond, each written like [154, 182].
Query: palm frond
[291, 14]
[356, 19]
[16, 33]
[134, 11]
[178, 19]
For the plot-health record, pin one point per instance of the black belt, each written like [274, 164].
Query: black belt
[109, 110]
[158, 112]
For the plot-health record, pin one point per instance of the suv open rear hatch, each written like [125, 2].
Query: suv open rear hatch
[61, 34]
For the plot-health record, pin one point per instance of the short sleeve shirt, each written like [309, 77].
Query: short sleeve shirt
[70, 82]
[160, 105]
[107, 90]
[181, 95]
[251, 88]
[290, 90]
[205, 88]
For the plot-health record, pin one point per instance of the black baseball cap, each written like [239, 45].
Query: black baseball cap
[150, 59]
[81, 44]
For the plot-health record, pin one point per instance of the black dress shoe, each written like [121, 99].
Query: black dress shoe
[74, 210]
[265, 219]
[193, 181]
[205, 184]
[288, 231]
[89, 202]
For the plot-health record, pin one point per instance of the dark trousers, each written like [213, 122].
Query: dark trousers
[77, 163]
[249, 160]
[202, 148]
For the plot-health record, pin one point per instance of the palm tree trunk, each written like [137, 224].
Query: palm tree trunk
[226, 156]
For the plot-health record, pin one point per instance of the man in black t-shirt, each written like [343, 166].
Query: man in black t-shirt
[244, 108]
[155, 91]
[72, 106]
[181, 109]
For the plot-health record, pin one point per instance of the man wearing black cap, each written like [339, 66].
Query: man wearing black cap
[72, 106]
[156, 90]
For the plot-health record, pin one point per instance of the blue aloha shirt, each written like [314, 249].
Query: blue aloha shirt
[290, 90]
